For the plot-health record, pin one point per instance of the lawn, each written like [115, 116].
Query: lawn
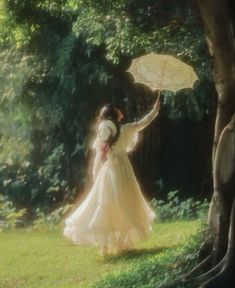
[45, 259]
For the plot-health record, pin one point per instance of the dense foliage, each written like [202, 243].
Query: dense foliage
[173, 208]
[61, 60]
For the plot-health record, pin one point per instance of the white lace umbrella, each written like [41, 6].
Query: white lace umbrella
[162, 72]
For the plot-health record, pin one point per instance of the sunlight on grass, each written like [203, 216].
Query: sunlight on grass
[45, 259]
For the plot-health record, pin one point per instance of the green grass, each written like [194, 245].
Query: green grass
[45, 259]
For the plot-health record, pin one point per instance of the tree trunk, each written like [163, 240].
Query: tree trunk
[218, 266]
[219, 262]
[219, 31]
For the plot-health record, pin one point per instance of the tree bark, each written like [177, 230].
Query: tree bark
[220, 271]
[218, 265]
[219, 31]
[220, 38]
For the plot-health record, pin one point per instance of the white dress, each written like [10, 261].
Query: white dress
[114, 213]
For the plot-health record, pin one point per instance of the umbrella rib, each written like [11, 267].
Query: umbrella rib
[163, 70]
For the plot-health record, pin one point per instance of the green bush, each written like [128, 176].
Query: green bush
[50, 220]
[10, 216]
[174, 209]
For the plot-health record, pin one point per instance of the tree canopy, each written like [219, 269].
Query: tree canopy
[61, 60]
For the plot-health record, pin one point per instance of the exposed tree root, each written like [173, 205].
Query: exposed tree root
[223, 279]
[210, 273]
[189, 276]
[220, 275]
[204, 263]
[226, 277]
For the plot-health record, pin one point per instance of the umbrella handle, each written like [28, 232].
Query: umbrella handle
[158, 95]
[158, 92]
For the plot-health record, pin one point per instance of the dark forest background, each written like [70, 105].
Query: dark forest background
[62, 60]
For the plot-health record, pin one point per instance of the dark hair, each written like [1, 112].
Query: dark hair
[109, 112]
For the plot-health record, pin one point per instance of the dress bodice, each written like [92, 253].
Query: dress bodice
[126, 141]
[128, 133]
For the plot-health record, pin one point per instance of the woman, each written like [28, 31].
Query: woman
[115, 213]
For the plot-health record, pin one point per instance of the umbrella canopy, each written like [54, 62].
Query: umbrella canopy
[162, 72]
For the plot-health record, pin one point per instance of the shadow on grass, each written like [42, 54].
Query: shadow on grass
[135, 254]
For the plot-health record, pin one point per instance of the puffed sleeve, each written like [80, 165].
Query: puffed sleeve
[105, 130]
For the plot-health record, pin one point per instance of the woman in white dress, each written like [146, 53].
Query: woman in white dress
[114, 214]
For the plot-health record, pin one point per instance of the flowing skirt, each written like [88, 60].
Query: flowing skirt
[114, 213]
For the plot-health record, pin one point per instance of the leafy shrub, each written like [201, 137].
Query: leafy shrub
[174, 209]
[50, 220]
[10, 217]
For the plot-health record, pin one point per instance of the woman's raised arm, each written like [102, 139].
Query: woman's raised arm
[147, 119]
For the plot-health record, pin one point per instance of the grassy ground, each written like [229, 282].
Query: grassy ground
[45, 259]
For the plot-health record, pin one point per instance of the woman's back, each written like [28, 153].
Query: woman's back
[115, 214]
